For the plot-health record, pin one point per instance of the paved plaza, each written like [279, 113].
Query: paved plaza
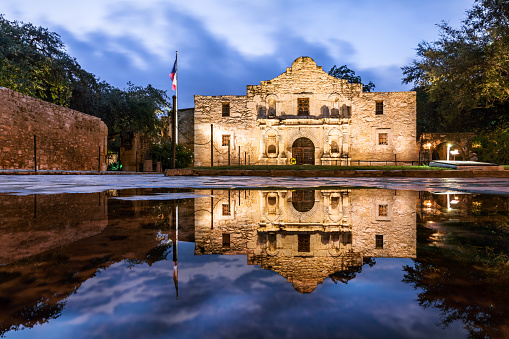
[55, 184]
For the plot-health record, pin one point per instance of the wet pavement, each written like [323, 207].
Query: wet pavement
[147, 256]
[55, 184]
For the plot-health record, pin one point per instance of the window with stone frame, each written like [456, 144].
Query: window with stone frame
[379, 241]
[226, 240]
[226, 139]
[303, 106]
[383, 138]
[304, 242]
[379, 110]
[226, 209]
[383, 210]
[225, 109]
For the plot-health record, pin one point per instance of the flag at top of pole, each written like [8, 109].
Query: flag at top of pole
[173, 75]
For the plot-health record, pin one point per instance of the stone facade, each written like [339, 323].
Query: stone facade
[307, 115]
[307, 235]
[65, 139]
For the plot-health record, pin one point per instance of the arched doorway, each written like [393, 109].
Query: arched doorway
[303, 151]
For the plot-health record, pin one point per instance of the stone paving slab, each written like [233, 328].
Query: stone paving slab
[341, 173]
[64, 172]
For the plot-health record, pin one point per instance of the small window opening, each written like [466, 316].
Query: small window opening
[379, 107]
[226, 209]
[226, 109]
[383, 139]
[303, 105]
[226, 139]
[304, 243]
[383, 210]
[379, 241]
[226, 240]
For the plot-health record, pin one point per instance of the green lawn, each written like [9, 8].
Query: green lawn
[319, 168]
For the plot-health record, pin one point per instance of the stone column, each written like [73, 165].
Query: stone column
[326, 206]
[346, 204]
[262, 145]
[345, 144]
[282, 210]
[263, 205]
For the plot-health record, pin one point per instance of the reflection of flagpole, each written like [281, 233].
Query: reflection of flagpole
[175, 251]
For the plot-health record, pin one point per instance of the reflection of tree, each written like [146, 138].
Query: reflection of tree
[34, 290]
[351, 272]
[466, 278]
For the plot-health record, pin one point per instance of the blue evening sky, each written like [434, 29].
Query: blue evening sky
[224, 45]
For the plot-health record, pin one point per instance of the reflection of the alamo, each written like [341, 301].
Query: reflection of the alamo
[307, 235]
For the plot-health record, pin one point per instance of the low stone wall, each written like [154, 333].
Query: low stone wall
[64, 139]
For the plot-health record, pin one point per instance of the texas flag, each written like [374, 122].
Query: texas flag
[173, 76]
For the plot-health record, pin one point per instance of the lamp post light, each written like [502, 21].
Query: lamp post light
[455, 153]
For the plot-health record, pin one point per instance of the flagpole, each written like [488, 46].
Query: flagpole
[176, 101]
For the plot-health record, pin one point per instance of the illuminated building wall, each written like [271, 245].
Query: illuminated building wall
[307, 115]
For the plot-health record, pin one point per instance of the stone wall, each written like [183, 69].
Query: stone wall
[342, 122]
[65, 139]
[398, 121]
[186, 128]
[240, 126]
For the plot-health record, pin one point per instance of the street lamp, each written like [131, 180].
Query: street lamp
[455, 153]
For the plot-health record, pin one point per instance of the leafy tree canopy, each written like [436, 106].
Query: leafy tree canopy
[465, 72]
[33, 61]
[343, 72]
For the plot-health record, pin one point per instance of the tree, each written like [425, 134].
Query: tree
[465, 73]
[33, 61]
[163, 152]
[346, 73]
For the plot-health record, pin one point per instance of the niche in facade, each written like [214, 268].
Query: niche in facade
[272, 203]
[272, 146]
[271, 112]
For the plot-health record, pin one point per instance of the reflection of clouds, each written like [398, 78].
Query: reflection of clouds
[213, 270]
[103, 294]
[220, 296]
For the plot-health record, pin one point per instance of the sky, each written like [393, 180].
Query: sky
[224, 45]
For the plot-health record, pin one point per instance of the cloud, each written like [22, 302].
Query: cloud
[225, 45]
